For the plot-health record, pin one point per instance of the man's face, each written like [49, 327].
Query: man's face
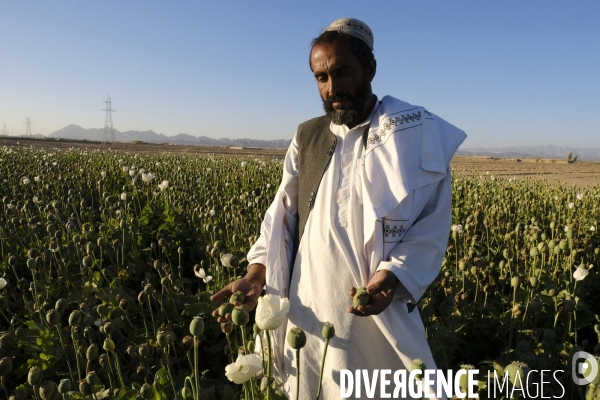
[344, 85]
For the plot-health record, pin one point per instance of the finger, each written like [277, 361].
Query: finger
[357, 311]
[249, 305]
[221, 294]
[352, 292]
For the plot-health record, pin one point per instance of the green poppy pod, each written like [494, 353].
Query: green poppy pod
[418, 364]
[34, 377]
[237, 297]
[534, 252]
[144, 350]
[296, 338]
[516, 373]
[533, 281]
[225, 309]
[240, 316]
[85, 388]
[108, 345]
[64, 386]
[6, 366]
[92, 378]
[464, 378]
[536, 305]
[361, 297]
[61, 305]
[162, 339]
[570, 233]
[92, 352]
[328, 331]
[75, 318]
[53, 317]
[48, 390]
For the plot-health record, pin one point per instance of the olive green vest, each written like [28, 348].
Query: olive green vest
[316, 145]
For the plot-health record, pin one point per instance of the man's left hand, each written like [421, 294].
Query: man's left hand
[381, 288]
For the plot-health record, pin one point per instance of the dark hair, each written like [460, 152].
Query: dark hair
[359, 48]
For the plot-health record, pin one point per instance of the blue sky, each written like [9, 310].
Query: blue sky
[507, 72]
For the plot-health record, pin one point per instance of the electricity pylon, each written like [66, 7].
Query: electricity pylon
[28, 130]
[109, 130]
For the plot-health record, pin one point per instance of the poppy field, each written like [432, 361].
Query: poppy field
[108, 260]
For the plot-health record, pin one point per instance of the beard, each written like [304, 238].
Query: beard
[360, 102]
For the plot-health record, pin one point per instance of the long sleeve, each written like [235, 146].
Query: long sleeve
[417, 259]
[285, 202]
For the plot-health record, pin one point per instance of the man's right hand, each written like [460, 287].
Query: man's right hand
[251, 285]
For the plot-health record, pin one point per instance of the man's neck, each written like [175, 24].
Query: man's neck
[361, 118]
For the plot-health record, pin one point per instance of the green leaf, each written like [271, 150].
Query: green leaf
[127, 394]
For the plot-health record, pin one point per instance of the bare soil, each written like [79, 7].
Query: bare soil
[581, 173]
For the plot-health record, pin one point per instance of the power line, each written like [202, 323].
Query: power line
[109, 130]
[4, 131]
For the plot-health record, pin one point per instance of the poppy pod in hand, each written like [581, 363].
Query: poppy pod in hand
[361, 297]
[239, 316]
[237, 296]
[225, 309]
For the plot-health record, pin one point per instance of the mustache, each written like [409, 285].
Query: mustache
[339, 97]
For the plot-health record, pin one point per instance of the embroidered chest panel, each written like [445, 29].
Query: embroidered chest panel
[397, 122]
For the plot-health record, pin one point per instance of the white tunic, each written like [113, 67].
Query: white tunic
[333, 255]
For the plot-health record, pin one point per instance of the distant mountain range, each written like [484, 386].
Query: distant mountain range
[76, 132]
[96, 134]
[542, 151]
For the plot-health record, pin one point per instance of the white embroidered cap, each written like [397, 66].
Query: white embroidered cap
[353, 27]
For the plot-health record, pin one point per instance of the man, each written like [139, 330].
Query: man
[364, 201]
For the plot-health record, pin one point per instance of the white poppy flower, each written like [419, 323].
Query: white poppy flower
[579, 196]
[457, 228]
[37, 179]
[201, 273]
[592, 228]
[35, 199]
[124, 196]
[26, 181]
[2, 283]
[212, 213]
[125, 169]
[103, 173]
[571, 205]
[244, 164]
[164, 185]
[271, 311]
[198, 180]
[244, 368]
[268, 185]
[566, 228]
[580, 273]
[207, 279]
[147, 177]
[54, 164]
[131, 172]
